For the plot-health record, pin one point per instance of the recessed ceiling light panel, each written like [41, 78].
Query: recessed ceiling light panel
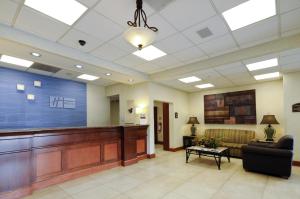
[267, 76]
[263, 64]
[78, 66]
[16, 61]
[88, 77]
[66, 11]
[150, 53]
[202, 86]
[191, 79]
[249, 12]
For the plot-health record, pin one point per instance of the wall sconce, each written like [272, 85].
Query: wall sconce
[20, 87]
[31, 97]
[141, 110]
[37, 84]
[130, 110]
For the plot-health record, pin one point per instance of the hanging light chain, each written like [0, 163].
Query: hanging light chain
[140, 14]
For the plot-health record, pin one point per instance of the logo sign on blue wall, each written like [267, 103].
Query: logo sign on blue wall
[62, 102]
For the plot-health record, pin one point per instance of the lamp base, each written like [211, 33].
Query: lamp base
[270, 133]
[193, 130]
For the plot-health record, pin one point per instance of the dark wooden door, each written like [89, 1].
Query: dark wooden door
[155, 125]
[166, 126]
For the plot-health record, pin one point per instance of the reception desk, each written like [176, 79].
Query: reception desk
[34, 159]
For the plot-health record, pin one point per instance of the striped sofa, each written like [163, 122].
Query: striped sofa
[231, 138]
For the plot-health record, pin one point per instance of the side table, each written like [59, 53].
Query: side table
[188, 141]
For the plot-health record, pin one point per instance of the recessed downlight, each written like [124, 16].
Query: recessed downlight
[78, 66]
[108, 74]
[35, 54]
[130, 80]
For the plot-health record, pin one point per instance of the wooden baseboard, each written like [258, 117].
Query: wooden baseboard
[150, 156]
[176, 149]
[296, 163]
[19, 193]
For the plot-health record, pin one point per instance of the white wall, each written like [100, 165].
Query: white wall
[114, 112]
[291, 85]
[97, 106]
[269, 100]
[144, 95]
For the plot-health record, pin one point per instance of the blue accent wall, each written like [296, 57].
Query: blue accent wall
[18, 112]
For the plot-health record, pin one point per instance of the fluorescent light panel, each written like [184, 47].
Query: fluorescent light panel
[263, 64]
[191, 79]
[88, 77]
[202, 86]
[249, 12]
[267, 76]
[16, 61]
[150, 53]
[66, 11]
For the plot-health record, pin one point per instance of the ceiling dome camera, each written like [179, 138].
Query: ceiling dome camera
[82, 42]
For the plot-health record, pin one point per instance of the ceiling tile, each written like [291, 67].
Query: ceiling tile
[231, 69]
[72, 37]
[164, 28]
[39, 24]
[290, 21]
[215, 24]
[192, 53]
[173, 44]
[222, 5]
[207, 74]
[292, 67]
[121, 11]
[98, 26]
[88, 3]
[7, 11]
[149, 68]
[288, 5]
[257, 33]
[192, 12]
[121, 43]
[131, 61]
[295, 58]
[220, 45]
[290, 52]
[167, 62]
[109, 52]
[261, 58]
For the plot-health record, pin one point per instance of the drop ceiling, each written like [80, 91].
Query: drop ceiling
[23, 30]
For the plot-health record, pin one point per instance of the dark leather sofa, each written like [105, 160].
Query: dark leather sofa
[274, 159]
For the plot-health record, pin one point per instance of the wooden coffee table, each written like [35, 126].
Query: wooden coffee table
[216, 153]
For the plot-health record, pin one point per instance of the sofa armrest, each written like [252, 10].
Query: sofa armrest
[262, 144]
[267, 151]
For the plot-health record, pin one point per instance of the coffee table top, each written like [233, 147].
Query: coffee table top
[205, 149]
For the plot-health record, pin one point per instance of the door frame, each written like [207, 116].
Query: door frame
[166, 126]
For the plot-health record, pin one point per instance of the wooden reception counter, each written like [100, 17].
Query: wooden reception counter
[34, 159]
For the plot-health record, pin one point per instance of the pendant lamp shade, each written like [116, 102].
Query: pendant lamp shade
[139, 37]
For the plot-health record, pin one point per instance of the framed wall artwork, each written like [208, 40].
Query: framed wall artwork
[230, 108]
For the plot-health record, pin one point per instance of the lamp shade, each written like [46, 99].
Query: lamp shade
[139, 37]
[269, 119]
[193, 120]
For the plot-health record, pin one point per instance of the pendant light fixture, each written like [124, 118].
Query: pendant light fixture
[140, 34]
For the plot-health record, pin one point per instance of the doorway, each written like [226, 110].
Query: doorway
[114, 110]
[161, 124]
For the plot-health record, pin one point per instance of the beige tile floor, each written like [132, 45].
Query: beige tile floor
[169, 177]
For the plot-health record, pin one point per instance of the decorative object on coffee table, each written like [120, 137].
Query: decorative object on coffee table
[269, 130]
[209, 142]
[193, 121]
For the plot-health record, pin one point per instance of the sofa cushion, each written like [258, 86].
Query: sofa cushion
[231, 135]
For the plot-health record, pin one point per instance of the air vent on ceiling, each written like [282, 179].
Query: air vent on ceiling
[44, 67]
[158, 5]
[204, 33]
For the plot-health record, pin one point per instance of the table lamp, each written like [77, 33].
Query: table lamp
[269, 130]
[193, 121]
